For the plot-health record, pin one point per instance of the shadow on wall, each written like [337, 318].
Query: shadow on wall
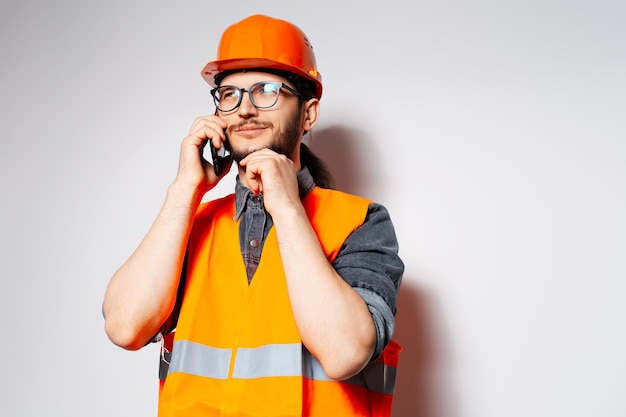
[419, 385]
[351, 156]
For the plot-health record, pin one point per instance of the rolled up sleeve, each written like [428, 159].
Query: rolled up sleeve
[369, 262]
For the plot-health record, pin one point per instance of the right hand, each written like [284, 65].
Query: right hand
[193, 169]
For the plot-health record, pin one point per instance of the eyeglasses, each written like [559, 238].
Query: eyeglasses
[263, 95]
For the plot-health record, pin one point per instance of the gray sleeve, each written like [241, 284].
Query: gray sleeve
[369, 262]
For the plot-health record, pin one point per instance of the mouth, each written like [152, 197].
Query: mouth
[250, 129]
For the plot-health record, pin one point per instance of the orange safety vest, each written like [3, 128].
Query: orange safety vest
[237, 351]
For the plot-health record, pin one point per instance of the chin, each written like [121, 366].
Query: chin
[239, 154]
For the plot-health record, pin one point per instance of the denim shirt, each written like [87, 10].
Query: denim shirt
[368, 260]
[256, 222]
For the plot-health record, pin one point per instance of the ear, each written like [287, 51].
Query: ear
[310, 114]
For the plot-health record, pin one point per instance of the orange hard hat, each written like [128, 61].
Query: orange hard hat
[264, 42]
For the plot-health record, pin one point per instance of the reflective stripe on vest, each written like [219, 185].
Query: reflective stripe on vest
[268, 361]
[196, 359]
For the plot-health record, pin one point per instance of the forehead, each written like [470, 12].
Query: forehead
[246, 78]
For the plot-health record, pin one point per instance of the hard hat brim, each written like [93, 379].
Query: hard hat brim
[213, 68]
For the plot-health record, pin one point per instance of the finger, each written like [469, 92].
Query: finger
[253, 177]
[213, 124]
[207, 132]
[203, 120]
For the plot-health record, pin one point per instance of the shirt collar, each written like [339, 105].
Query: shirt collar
[243, 193]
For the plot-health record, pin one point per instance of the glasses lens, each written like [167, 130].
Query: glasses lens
[227, 97]
[265, 94]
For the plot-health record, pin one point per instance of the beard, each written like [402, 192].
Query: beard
[283, 141]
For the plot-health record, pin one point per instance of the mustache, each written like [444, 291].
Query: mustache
[249, 123]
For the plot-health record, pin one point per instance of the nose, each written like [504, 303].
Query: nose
[246, 108]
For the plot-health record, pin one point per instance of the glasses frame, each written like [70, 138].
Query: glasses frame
[278, 84]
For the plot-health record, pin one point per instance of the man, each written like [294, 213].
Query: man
[282, 295]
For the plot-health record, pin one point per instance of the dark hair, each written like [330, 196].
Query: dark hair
[317, 167]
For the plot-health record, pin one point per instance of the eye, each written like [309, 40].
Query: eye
[228, 92]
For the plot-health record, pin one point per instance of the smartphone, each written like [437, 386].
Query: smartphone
[220, 156]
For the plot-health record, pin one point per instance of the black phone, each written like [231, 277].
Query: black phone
[220, 156]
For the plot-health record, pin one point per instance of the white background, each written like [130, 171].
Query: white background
[494, 131]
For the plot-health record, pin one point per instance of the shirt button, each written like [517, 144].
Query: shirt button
[254, 243]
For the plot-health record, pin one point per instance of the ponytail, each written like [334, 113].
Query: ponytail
[320, 173]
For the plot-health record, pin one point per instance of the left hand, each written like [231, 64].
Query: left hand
[273, 175]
